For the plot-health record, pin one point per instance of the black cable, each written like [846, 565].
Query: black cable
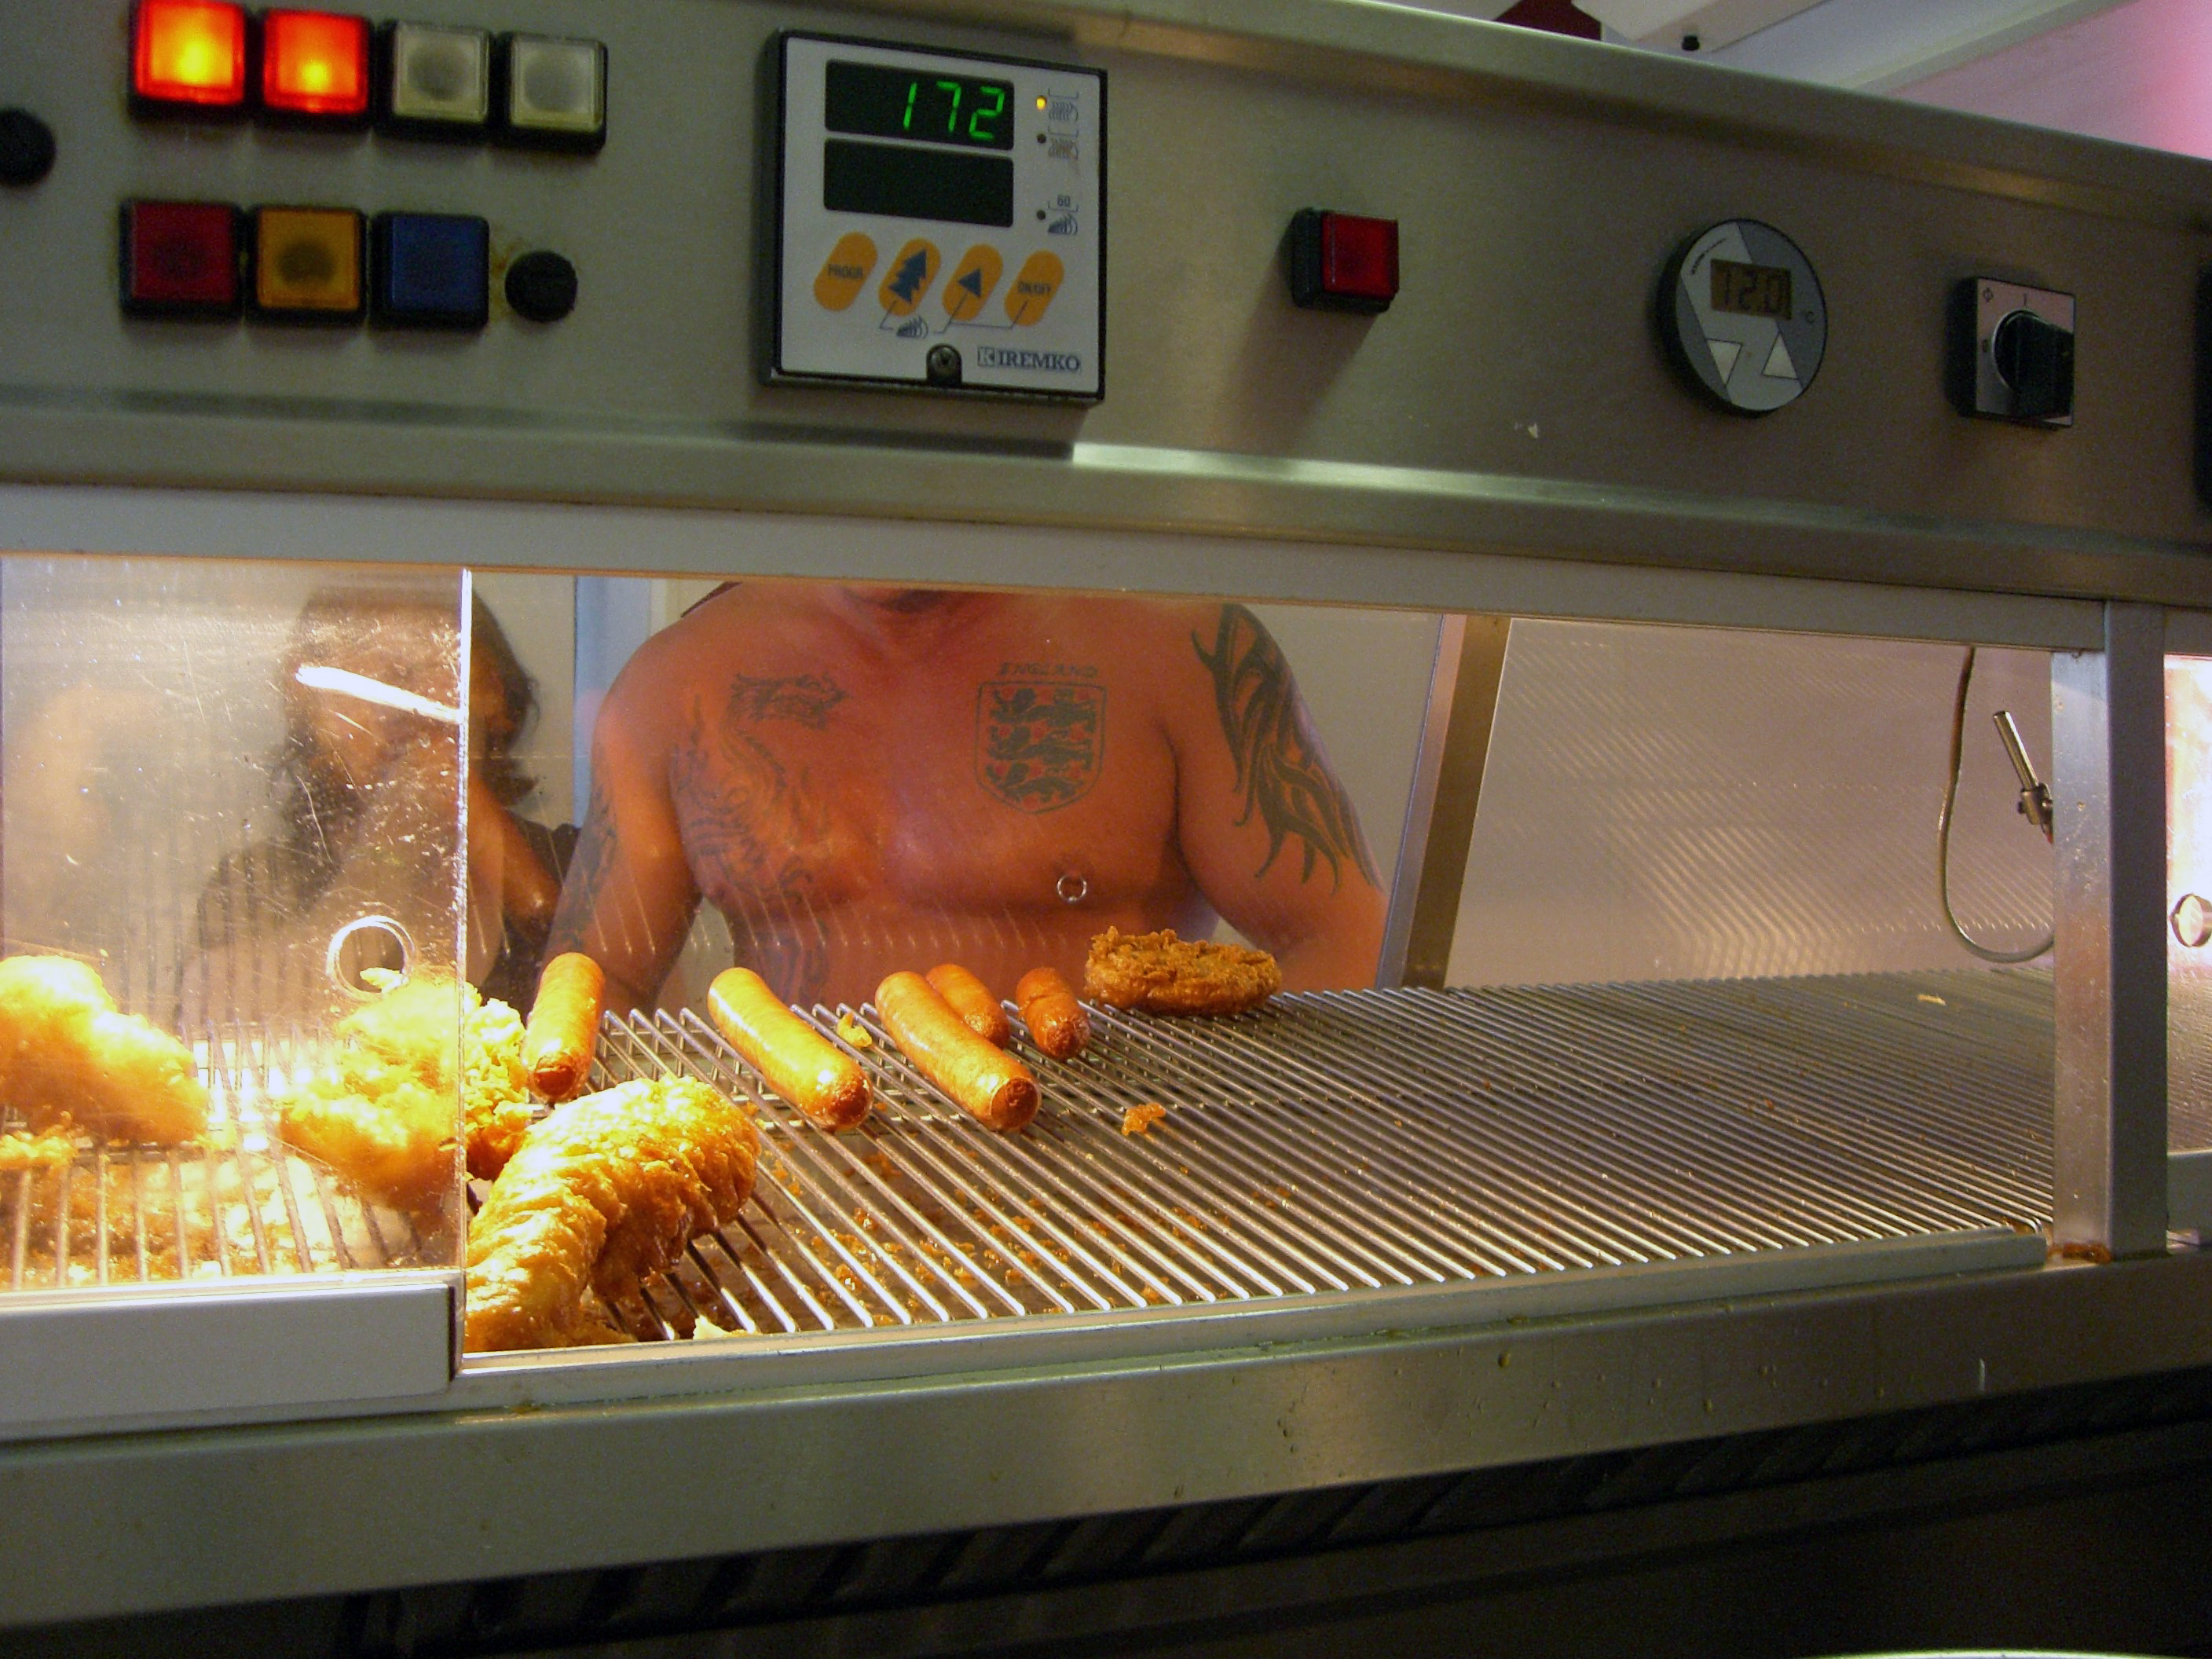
[1943, 832]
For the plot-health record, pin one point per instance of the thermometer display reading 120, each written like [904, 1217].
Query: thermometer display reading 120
[881, 102]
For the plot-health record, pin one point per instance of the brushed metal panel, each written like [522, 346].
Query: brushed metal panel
[1540, 183]
[75, 1358]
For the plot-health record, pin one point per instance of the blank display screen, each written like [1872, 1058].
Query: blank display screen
[906, 182]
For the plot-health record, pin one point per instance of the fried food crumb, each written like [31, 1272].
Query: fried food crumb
[1160, 974]
[854, 1032]
[1139, 1120]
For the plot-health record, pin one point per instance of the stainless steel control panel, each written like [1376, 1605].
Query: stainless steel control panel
[940, 221]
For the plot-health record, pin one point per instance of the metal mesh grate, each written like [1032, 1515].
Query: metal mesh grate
[238, 1203]
[1362, 1139]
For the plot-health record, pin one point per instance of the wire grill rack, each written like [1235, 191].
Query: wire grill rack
[1341, 1141]
[238, 1203]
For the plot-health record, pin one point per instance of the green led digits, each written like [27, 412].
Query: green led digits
[980, 123]
[876, 100]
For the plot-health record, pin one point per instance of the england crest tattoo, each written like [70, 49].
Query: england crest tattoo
[1039, 743]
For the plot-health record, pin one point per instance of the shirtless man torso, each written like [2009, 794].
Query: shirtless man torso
[864, 779]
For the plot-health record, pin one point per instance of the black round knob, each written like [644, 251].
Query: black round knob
[542, 286]
[27, 148]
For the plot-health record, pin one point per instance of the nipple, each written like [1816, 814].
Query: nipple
[1073, 888]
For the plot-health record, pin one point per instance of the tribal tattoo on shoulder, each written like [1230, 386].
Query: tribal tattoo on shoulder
[1279, 770]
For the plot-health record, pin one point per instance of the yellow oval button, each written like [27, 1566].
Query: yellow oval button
[912, 272]
[847, 267]
[1034, 284]
[972, 282]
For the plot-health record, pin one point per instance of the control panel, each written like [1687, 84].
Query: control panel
[940, 221]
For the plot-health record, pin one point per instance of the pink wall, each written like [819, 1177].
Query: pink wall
[2141, 73]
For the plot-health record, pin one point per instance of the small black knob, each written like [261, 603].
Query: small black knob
[27, 148]
[542, 286]
[2035, 358]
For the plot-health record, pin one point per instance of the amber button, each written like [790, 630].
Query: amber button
[838, 283]
[972, 282]
[1035, 285]
[912, 274]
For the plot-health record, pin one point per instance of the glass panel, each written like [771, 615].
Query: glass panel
[231, 825]
[2189, 900]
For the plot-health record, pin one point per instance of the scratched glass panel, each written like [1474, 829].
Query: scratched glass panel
[232, 822]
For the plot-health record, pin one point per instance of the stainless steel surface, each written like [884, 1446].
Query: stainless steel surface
[1432, 872]
[2108, 779]
[481, 1493]
[1488, 142]
[1670, 803]
[1382, 1141]
[375, 531]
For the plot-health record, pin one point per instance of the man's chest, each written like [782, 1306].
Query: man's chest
[972, 785]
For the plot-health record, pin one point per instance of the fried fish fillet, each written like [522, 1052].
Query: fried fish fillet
[66, 1052]
[1161, 973]
[384, 1115]
[600, 1195]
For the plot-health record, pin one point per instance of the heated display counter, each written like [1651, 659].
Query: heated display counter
[1614, 574]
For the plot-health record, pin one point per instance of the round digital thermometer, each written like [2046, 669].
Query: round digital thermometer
[1742, 312]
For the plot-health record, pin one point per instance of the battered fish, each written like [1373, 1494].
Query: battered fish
[384, 1116]
[65, 1053]
[1161, 973]
[602, 1194]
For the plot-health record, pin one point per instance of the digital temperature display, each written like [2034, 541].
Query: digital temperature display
[921, 105]
[1750, 290]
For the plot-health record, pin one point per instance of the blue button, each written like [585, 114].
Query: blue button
[431, 270]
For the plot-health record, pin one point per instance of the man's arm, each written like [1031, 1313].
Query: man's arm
[1265, 826]
[628, 897]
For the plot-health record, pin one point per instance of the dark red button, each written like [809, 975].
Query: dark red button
[180, 259]
[1360, 257]
[1341, 262]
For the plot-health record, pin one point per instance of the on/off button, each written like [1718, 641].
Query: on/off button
[838, 283]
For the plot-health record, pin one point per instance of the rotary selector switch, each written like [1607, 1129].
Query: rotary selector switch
[1741, 315]
[2012, 352]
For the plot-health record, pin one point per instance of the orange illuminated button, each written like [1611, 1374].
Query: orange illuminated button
[972, 282]
[314, 64]
[188, 52]
[838, 283]
[1035, 285]
[307, 264]
[912, 274]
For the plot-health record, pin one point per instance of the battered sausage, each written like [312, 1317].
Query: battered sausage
[563, 1031]
[1057, 1024]
[972, 1000]
[800, 1063]
[990, 1084]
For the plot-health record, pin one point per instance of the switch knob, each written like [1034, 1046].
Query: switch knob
[2011, 355]
[542, 286]
[2035, 358]
[27, 148]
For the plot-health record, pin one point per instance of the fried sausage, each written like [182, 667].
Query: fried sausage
[972, 1000]
[563, 1031]
[990, 1084]
[1057, 1024]
[800, 1063]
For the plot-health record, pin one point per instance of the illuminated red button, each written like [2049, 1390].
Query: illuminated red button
[188, 54]
[1340, 262]
[315, 64]
[180, 259]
